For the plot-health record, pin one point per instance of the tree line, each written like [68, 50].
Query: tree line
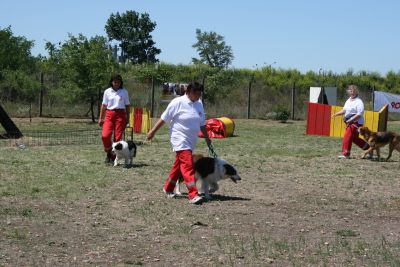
[78, 69]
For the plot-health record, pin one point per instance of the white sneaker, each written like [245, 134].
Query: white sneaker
[168, 194]
[343, 157]
[196, 200]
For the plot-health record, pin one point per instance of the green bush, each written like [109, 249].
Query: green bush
[281, 113]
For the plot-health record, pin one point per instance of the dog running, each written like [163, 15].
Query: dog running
[124, 150]
[376, 140]
[208, 172]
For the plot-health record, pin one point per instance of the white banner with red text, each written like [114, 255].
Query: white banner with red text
[382, 98]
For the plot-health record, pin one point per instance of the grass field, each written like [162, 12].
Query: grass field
[297, 204]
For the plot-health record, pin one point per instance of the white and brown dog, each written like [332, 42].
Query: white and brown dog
[209, 171]
[124, 150]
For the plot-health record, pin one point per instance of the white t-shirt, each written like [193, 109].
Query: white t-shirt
[352, 107]
[185, 117]
[116, 99]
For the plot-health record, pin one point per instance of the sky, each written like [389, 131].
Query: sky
[307, 35]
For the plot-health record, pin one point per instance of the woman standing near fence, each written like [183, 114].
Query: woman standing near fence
[116, 107]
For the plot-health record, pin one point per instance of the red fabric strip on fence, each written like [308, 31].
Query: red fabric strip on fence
[137, 127]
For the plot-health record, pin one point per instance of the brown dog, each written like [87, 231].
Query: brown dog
[376, 140]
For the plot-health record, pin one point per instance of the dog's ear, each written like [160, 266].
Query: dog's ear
[118, 146]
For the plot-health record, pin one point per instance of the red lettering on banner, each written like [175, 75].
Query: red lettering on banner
[395, 105]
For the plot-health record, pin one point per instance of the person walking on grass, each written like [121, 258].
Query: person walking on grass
[116, 108]
[186, 117]
[353, 111]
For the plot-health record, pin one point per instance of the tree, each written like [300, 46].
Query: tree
[212, 50]
[133, 30]
[17, 66]
[85, 67]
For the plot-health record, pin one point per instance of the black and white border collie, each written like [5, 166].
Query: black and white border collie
[209, 171]
[125, 150]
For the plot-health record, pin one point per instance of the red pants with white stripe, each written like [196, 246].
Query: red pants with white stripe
[114, 122]
[350, 137]
[183, 167]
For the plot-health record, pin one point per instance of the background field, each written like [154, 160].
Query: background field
[297, 204]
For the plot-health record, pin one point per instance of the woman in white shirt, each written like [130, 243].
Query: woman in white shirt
[353, 111]
[116, 107]
[186, 117]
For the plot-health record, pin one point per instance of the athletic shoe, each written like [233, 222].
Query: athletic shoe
[168, 194]
[107, 160]
[343, 157]
[196, 200]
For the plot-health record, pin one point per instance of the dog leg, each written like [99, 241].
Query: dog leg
[378, 153]
[178, 188]
[116, 161]
[206, 189]
[213, 187]
[391, 147]
[371, 148]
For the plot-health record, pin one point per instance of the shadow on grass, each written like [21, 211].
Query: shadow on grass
[216, 197]
[138, 165]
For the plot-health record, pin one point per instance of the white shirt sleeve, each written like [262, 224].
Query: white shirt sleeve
[169, 112]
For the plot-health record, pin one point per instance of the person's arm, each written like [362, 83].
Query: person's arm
[338, 113]
[154, 130]
[354, 118]
[102, 109]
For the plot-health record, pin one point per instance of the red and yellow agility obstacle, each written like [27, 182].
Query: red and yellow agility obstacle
[320, 121]
[139, 121]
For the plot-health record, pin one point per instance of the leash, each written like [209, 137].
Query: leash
[211, 151]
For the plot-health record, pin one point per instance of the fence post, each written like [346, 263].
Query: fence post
[152, 97]
[249, 97]
[293, 99]
[41, 94]
[373, 97]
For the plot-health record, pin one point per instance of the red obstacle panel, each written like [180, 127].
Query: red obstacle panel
[318, 119]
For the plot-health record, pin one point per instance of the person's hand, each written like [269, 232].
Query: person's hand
[100, 122]
[150, 135]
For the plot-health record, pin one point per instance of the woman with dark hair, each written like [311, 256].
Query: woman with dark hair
[116, 107]
[186, 117]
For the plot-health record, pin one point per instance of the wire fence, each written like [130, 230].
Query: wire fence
[51, 138]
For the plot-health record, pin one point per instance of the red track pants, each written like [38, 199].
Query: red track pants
[115, 121]
[183, 167]
[351, 136]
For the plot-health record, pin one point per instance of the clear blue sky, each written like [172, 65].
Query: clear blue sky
[306, 35]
